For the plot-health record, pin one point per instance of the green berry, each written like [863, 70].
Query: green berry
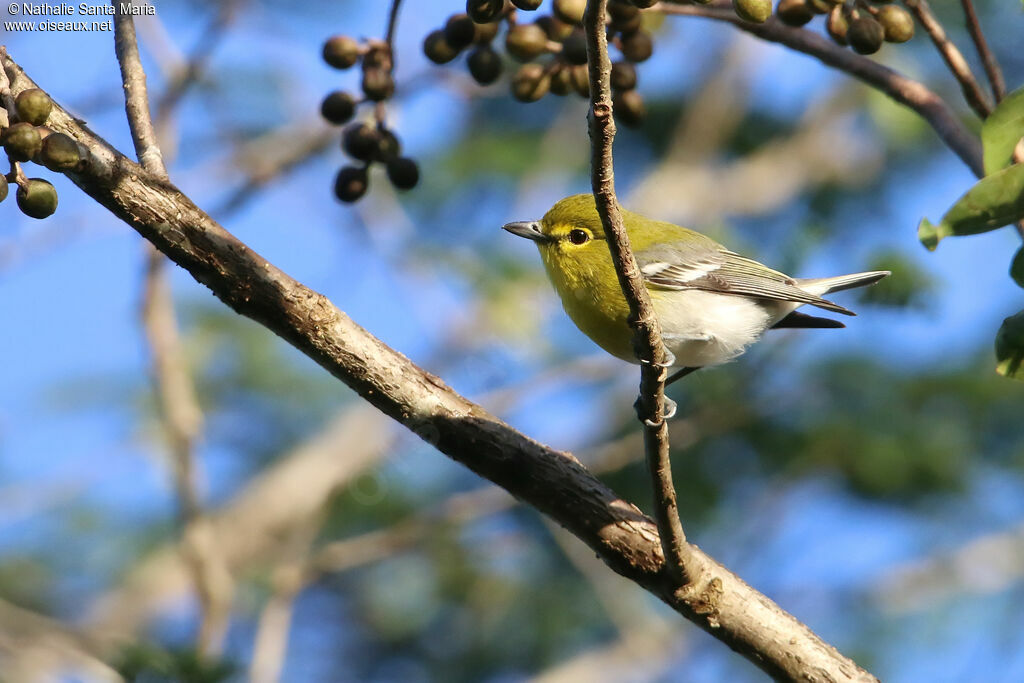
[580, 77]
[561, 80]
[530, 83]
[351, 183]
[756, 11]
[60, 153]
[33, 106]
[403, 173]
[437, 48]
[570, 11]
[341, 52]
[3, 188]
[22, 141]
[838, 25]
[526, 41]
[484, 65]
[37, 198]
[556, 29]
[484, 11]
[896, 22]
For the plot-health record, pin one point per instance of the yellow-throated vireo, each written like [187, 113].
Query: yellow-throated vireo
[712, 303]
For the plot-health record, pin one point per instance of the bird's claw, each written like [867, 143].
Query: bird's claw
[670, 360]
[667, 414]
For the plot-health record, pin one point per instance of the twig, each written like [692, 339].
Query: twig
[988, 60]
[179, 407]
[552, 482]
[952, 55]
[904, 90]
[647, 335]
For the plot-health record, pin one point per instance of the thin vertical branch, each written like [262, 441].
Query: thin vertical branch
[179, 408]
[988, 60]
[952, 55]
[647, 339]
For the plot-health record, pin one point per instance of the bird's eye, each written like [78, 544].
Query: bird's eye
[578, 236]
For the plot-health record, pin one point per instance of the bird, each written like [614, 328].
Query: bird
[711, 303]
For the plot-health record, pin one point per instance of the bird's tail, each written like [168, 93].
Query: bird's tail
[826, 285]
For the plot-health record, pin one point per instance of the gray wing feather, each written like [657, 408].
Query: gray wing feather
[713, 269]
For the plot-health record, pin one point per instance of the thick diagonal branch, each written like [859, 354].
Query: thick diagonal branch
[552, 482]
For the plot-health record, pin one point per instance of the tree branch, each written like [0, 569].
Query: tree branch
[647, 341]
[179, 408]
[551, 481]
[988, 60]
[904, 90]
[951, 54]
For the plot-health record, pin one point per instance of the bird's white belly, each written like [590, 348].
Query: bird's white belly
[703, 328]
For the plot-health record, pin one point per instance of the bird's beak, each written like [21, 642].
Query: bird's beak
[528, 229]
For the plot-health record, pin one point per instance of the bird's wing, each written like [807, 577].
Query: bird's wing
[718, 270]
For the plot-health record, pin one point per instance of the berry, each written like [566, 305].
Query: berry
[865, 34]
[623, 76]
[896, 22]
[570, 11]
[338, 107]
[485, 33]
[359, 141]
[629, 107]
[526, 41]
[561, 80]
[378, 84]
[37, 198]
[794, 12]
[484, 11]
[33, 106]
[3, 188]
[557, 30]
[837, 24]
[341, 52]
[580, 78]
[530, 83]
[574, 49]
[22, 141]
[756, 11]
[637, 47]
[527, 5]
[388, 147]
[60, 153]
[459, 31]
[437, 48]
[351, 183]
[484, 65]
[403, 173]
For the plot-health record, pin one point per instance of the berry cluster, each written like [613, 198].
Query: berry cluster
[558, 34]
[858, 23]
[365, 142]
[28, 139]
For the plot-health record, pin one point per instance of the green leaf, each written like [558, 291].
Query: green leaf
[1017, 268]
[993, 202]
[1002, 130]
[1010, 347]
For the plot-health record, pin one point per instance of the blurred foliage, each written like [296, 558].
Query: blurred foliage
[143, 663]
